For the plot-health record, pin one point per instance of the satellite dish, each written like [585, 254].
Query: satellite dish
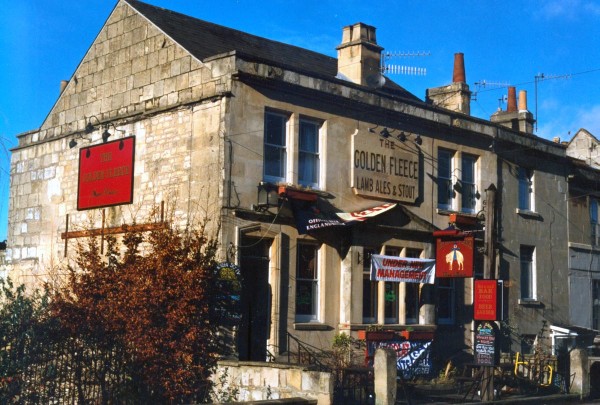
[375, 81]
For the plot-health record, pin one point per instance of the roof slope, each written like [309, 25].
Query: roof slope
[203, 39]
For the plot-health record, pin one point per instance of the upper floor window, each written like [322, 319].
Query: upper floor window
[275, 141]
[307, 282]
[595, 226]
[308, 153]
[525, 189]
[445, 191]
[468, 186]
[528, 273]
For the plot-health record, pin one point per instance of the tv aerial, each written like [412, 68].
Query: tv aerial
[484, 84]
[390, 68]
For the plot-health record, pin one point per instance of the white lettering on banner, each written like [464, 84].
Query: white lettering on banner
[402, 269]
[384, 169]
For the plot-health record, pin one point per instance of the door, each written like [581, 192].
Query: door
[255, 299]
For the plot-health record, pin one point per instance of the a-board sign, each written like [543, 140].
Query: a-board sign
[485, 343]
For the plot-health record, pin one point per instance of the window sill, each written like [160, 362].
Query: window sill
[528, 213]
[311, 326]
[529, 302]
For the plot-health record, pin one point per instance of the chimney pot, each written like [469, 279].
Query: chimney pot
[522, 100]
[458, 75]
[63, 85]
[512, 99]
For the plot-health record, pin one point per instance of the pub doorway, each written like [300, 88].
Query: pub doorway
[255, 298]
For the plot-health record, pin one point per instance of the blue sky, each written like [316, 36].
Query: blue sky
[504, 42]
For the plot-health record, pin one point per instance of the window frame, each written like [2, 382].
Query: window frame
[594, 224]
[304, 153]
[451, 288]
[313, 314]
[373, 287]
[525, 179]
[472, 184]
[392, 308]
[528, 273]
[282, 147]
[596, 304]
[448, 204]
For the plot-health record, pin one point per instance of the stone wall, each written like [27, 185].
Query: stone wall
[143, 84]
[255, 381]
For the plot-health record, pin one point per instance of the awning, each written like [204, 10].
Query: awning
[309, 217]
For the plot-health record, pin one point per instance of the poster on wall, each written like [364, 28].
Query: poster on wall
[413, 357]
[106, 174]
[402, 269]
[454, 257]
[485, 300]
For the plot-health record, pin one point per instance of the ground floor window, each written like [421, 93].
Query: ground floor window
[400, 301]
[445, 301]
[307, 282]
[370, 288]
[596, 304]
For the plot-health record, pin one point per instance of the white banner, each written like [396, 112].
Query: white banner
[402, 269]
[365, 214]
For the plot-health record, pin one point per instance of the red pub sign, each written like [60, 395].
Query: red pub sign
[106, 174]
[485, 300]
[454, 256]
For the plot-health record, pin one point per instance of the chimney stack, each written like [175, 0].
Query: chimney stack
[63, 85]
[458, 75]
[455, 96]
[522, 100]
[359, 56]
[511, 104]
[518, 119]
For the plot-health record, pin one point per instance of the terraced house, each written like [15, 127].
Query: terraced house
[312, 165]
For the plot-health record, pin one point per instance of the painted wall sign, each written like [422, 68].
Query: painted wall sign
[454, 257]
[485, 344]
[382, 168]
[106, 174]
[485, 300]
[402, 269]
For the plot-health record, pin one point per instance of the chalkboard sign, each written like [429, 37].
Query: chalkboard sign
[485, 344]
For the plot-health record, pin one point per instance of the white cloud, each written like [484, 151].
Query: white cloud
[569, 9]
[566, 121]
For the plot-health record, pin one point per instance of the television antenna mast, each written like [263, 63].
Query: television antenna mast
[386, 67]
[484, 84]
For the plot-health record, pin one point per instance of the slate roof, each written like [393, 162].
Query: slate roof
[204, 39]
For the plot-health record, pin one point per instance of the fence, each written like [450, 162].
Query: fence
[68, 372]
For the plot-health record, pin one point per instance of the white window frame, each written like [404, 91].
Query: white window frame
[472, 160]
[306, 152]
[313, 316]
[373, 286]
[525, 178]
[271, 177]
[448, 180]
[528, 273]
[395, 288]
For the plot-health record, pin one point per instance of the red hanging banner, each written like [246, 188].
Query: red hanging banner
[454, 256]
[485, 300]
